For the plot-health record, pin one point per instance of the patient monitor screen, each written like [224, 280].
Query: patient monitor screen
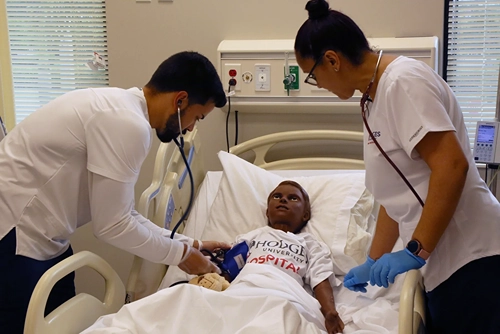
[486, 134]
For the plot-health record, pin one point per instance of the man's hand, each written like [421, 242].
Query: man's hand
[211, 245]
[195, 263]
[333, 323]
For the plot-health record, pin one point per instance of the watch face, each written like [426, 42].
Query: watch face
[412, 246]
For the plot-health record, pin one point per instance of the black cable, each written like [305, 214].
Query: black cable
[191, 197]
[177, 283]
[236, 127]
[232, 83]
[227, 122]
[486, 174]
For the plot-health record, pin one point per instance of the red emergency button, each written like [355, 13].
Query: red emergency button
[232, 72]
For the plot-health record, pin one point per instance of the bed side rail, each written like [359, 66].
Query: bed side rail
[81, 311]
[412, 304]
[164, 204]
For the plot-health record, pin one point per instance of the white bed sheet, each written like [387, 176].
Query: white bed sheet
[262, 299]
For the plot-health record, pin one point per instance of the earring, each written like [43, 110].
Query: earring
[336, 69]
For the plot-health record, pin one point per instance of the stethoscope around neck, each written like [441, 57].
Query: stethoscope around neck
[364, 108]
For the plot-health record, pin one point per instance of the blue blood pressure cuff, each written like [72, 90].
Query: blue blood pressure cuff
[235, 259]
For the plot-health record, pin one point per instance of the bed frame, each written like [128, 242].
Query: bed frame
[260, 147]
[87, 307]
[164, 202]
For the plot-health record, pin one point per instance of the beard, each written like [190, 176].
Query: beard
[171, 129]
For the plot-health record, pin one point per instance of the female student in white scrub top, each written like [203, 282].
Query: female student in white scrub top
[454, 233]
[76, 160]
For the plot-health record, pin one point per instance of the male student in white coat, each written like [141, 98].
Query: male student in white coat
[76, 160]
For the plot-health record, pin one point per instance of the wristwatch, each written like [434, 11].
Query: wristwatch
[415, 247]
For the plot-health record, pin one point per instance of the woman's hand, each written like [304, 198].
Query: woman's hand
[333, 323]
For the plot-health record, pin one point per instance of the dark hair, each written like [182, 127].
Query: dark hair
[191, 72]
[327, 29]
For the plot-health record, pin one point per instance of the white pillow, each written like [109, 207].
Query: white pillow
[340, 208]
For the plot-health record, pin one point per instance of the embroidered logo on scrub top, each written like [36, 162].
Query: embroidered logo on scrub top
[416, 133]
[375, 134]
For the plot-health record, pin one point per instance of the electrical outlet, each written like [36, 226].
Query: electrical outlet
[232, 71]
[262, 77]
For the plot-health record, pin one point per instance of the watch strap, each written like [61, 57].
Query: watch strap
[420, 252]
[423, 254]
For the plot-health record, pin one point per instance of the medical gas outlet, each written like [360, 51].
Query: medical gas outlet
[291, 80]
[247, 77]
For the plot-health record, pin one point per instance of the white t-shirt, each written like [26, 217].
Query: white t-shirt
[74, 160]
[301, 256]
[411, 101]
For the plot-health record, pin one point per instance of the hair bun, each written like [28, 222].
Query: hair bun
[317, 9]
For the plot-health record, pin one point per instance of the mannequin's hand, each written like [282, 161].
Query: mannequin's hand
[333, 323]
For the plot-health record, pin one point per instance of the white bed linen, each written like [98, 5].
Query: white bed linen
[376, 311]
[201, 207]
[262, 299]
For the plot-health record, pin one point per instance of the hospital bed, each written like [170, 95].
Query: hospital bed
[165, 201]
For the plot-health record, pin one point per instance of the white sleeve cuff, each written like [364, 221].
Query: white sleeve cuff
[175, 255]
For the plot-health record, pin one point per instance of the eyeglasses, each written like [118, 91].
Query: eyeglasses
[311, 78]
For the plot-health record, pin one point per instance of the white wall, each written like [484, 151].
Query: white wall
[142, 35]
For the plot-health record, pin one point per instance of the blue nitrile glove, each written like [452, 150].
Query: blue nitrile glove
[357, 278]
[392, 264]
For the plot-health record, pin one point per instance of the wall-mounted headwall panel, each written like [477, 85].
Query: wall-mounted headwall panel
[261, 66]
